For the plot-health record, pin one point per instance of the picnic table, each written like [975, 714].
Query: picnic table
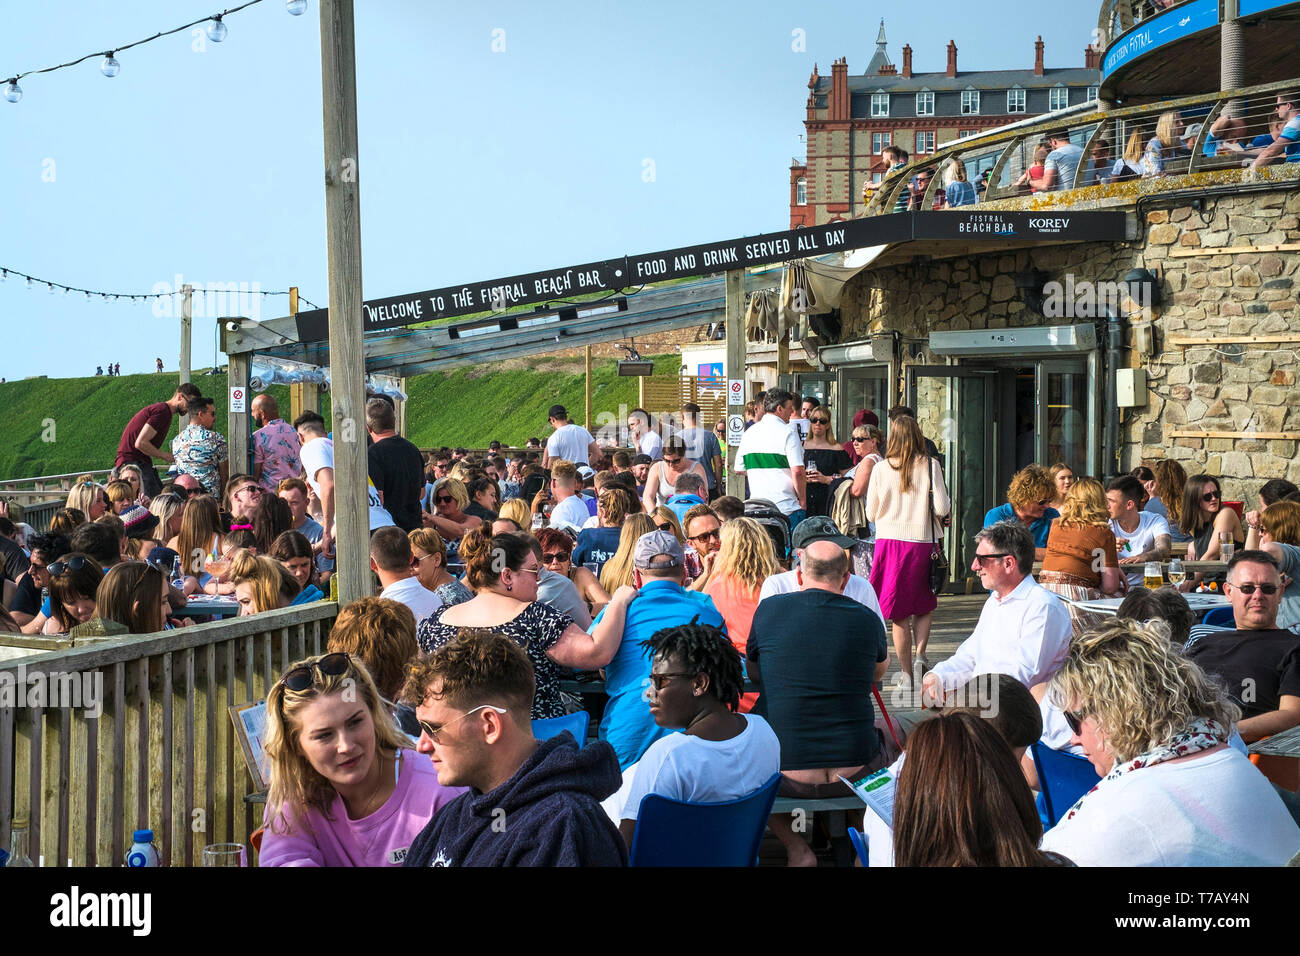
[1199, 603]
[212, 606]
[1283, 744]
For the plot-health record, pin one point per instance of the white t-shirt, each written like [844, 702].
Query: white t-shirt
[1217, 810]
[768, 452]
[413, 594]
[570, 442]
[858, 589]
[652, 445]
[1150, 525]
[570, 513]
[319, 453]
[684, 767]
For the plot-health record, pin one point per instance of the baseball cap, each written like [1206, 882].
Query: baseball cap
[655, 544]
[585, 472]
[819, 528]
[642, 460]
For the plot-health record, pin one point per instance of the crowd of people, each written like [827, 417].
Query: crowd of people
[497, 579]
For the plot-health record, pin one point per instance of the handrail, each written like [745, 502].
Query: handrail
[1020, 134]
[105, 737]
[6, 482]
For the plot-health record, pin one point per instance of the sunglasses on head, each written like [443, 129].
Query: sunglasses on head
[71, 564]
[298, 679]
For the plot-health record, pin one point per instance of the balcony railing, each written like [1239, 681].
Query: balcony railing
[161, 753]
[1160, 140]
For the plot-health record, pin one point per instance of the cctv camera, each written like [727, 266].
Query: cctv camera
[232, 326]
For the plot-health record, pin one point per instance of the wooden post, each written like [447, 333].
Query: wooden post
[237, 422]
[298, 400]
[343, 246]
[586, 358]
[735, 323]
[187, 326]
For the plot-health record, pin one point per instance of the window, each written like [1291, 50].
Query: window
[1016, 101]
[1058, 98]
[925, 103]
[879, 104]
[801, 192]
[970, 102]
[963, 133]
[876, 178]
[1093, 92]
[879, 141]
[924, 142]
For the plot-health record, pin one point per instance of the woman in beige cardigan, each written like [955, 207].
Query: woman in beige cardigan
[898, 502]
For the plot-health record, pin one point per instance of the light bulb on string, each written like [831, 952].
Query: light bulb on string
[295, 7]
[87, 296]
[49, 287]
[29, 282]
[13, 92]
[217, 30]
[110, 66]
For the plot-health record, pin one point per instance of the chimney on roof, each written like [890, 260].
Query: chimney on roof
[1091, 57]
[838, 102]
[1038, 56]
[888, 70]
[907, 61]
[952, 58]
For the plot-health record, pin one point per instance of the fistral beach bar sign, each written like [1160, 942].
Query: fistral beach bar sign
[613, 275]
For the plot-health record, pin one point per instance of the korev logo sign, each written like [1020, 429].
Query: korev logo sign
[1065, 226]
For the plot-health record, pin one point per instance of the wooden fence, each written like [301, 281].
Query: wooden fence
[162, 753]
[31, 491]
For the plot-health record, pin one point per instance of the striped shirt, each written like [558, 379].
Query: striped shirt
[767, 455]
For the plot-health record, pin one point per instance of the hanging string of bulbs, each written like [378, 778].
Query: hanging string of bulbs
[52, 287]
[110, 66]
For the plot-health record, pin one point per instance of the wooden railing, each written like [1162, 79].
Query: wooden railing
[44, 488]
[162, 752]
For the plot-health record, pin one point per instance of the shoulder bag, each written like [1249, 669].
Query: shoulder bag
[938, 560]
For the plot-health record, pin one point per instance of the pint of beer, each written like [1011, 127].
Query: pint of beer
[1152, 578]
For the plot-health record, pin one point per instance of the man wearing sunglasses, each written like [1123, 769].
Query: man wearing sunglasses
[1258, 663]
[531, 802]
[1024, 629]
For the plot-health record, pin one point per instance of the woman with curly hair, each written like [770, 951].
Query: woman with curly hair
[347, 788]
[747, 559]
[1029, 498]
[1172, 793]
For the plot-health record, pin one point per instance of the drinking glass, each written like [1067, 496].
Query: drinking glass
[1151, 576]
[1226, 545]
[1177, 573]
[225, 854]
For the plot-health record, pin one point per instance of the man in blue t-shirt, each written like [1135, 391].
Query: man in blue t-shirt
[658, 563]
[1028, 497]
[1288, 111]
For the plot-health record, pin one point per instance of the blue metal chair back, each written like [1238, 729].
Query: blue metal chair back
[1221, 616]
[677, 833]
[1062, 779]
[545, 728]
[859, 845]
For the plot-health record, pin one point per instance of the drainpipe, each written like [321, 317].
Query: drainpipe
[1114, 346]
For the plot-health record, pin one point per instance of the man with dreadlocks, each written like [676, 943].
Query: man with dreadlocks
[695, 684]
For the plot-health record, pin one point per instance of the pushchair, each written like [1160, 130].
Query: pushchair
[774, 523]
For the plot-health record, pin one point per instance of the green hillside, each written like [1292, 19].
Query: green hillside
[57, 426]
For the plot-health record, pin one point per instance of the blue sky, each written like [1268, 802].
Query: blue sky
[205, 160]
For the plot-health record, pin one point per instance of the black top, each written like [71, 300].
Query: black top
[28, 598]
[13, 560]
[478, 511]
[815, 684]
[536, 630]
[829, 461]
[397, 469]
[1255, 667]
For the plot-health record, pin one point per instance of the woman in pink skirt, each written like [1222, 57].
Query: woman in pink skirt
[898, 502]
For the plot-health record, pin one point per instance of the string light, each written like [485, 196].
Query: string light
[214, 24]
[132, 296]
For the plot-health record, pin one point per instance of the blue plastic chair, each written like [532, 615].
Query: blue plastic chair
[677, 833]
[1063, 778]
[1221, 616]
[859, 845]
[545, 728]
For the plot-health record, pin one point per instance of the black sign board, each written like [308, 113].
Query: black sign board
[612, 275]
[1053, 225]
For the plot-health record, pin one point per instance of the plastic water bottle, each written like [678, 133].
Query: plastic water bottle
[178, 574]
[143, 852]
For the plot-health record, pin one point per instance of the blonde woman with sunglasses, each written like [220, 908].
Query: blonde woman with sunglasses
[347, 787]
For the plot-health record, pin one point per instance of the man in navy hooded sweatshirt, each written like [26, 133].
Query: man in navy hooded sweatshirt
[531, 802]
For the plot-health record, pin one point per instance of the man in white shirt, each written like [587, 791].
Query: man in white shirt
[822, 528]
[317, 456]
[1024, 629]
[770, 455]
[1140, 536]
[569, 442]
[569, 512]
[390, 558]
[642, 437]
